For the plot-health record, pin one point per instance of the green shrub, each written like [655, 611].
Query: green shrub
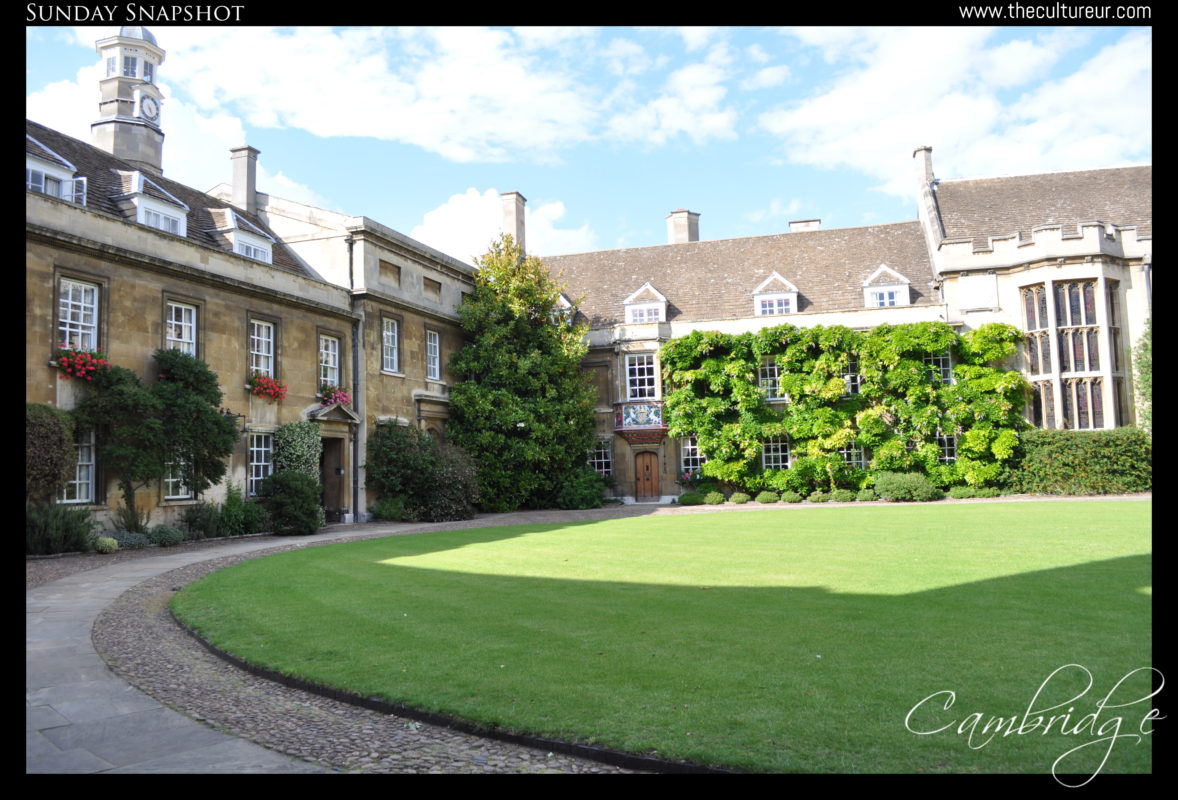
[132, 518]
[866, 496]
[241, 517]
[819, 497]
[987, 491]
[767, 497]
[962, 492]
[165, 536]
[456, 487]
[1084, 462]
[584, 489]
[49, 451]
[903, 487]
[291, 500]
[388, 508]
[739, 497]
[691, 499]
[714, 498]
[54, 528]
[105, 545]
[791, 497]
[844, 496]
[130, 540]
[201, 521]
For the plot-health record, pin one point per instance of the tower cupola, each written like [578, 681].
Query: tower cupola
[128, 125]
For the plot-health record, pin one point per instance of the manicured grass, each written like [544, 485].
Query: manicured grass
[776, 641]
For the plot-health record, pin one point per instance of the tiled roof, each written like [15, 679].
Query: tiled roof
[108, 177]
[979, 209]
[715, 280]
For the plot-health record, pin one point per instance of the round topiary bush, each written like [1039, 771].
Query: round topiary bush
[843, 496]
[791, 497]
[106, 545]
[739, 497]
[962, 492]
[866, 496]
[901, 487]
[691, 499]
[291, 500]
[819, 497]
[767, 497]
[714, 498]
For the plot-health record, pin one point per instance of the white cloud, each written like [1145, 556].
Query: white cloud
[767, 78]
[776, 209]
[466, 224]
[697, 37]
[691, 104]
[941, 88]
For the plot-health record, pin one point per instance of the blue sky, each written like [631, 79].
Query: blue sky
[606, 130]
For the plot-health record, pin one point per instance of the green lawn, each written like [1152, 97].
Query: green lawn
[787, 641]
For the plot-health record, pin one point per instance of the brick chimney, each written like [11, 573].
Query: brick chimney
[245, 178]
[513, 217]
[682, 226]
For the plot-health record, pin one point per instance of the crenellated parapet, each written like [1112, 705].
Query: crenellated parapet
[1047, 241]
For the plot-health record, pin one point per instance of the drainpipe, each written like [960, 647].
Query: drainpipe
[357, 390]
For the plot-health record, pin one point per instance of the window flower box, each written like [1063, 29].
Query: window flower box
[80, 364]
[271, 389]
[330, 394]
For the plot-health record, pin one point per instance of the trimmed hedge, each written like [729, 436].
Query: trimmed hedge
[767, 497]
[791, 497]
[902, 487]
[714, 498]
[691, 499]
[739, 497]
[1117, 461]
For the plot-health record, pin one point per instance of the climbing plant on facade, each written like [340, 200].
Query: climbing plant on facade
[837, 405]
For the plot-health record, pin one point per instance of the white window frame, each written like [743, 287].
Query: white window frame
[130, 67]
[329, 359]
[58, 183]
[174, 487]
[775, 453]
[854, 455]
[775, 305]
[262, 336]
[948, 447]
[390, 345]
[601, 457]
[433, 355]
[769, 380]
[645, 312]
[943, 363]
[161, 216]
[180, 327]
[893, 290]
[261, 460]
[642, 378]
[148, 71]
[852, 379]
[80, 490]
[691, 460]
[77, 314]
[112, 65]
[884, 297]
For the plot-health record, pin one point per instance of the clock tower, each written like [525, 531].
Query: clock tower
[128, 123]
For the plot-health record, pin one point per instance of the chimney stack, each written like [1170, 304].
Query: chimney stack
[924, 165]
[682, 226]
[513, 217]
[805, 225]
[245, 178]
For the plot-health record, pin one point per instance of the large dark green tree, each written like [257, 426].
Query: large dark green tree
[143, 432]
[523, 408]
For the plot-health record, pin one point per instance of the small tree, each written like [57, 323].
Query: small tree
[49, 451]
[145, 432]
[523, 408]
[1143, 364]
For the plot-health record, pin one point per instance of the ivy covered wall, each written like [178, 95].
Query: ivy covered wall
[885, 396]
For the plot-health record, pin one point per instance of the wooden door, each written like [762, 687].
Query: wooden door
[646, 468]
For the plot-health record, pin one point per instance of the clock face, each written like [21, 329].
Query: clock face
[150, 108]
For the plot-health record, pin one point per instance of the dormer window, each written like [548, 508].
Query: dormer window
[48, 173]
[886, 288]
[160, 215]
[242, 236]
[774, 297]
[254, 251]
[645, 305]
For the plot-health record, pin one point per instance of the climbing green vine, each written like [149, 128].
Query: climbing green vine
[852, 403]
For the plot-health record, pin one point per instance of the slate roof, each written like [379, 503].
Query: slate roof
[715, 280]
[978, 209]
[107, 177]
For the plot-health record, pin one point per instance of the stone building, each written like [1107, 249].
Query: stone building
[123, 260]
[1064, 256]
